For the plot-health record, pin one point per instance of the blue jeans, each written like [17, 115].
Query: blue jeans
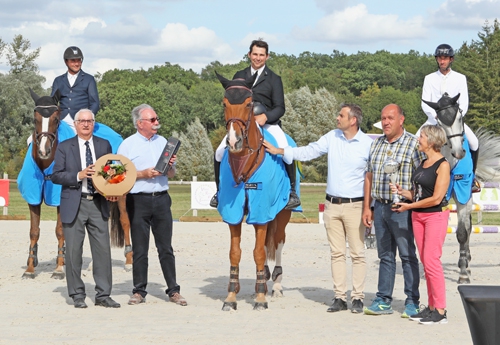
[394, 231]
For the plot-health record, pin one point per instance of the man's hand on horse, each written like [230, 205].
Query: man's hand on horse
[87, 172]
[261, 119]
[273, 150]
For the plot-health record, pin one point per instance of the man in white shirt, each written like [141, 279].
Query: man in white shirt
[453, 83]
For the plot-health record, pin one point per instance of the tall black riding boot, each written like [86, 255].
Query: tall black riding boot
[476, 187]
[294, 200]
[214, 202]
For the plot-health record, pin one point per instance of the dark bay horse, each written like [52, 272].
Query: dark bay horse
[456, 151]
[43, 149]
[254, 184]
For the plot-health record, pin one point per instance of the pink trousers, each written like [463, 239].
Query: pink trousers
[429, 230]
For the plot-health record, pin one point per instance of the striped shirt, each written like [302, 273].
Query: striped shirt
[403, 150]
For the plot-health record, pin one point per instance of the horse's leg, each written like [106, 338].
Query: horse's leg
[59, 271]
[278, 235]
[234, 258]
[463, 235]
[125, 222]
[34, 236]
[259, 255]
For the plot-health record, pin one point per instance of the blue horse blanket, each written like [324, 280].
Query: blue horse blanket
[35, 185]
[264, 195]
[462, 178]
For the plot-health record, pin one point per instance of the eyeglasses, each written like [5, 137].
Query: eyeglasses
[152, 120]
[85, 122]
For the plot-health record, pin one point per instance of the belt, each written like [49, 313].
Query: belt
[152, 194]
[88, 196]
[337, 200]
[383, 201]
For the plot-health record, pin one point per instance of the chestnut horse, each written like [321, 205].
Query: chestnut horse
[34, 178]
[456, 151]
[252, 183]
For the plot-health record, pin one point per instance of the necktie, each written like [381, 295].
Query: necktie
[88, 161]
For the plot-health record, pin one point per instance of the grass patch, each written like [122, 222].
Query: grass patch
[310, 196]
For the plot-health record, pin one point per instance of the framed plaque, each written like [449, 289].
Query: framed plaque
[115, 175]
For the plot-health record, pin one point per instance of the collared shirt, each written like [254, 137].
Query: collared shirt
[83, 159]
[72, 78]
[144, 153]
[347, 161]
[405, 151]
[259, 72]
[437, 83]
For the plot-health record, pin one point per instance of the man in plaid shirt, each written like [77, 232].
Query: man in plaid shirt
[393, 230]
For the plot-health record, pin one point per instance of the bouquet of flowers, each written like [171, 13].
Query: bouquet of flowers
[113, 172]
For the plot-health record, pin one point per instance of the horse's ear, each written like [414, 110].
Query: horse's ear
[34, 95]
[455, 99]
[433, 105]
[57, 96]
[225, 82]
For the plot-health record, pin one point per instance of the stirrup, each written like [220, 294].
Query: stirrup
[214, 202]
[476, 187]
[293, 201]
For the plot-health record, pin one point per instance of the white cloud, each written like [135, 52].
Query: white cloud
[464, 14]
[355, 25]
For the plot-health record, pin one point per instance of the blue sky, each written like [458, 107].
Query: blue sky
[133, 34]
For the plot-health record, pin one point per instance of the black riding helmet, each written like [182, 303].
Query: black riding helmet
[73, 53]
[444, 50]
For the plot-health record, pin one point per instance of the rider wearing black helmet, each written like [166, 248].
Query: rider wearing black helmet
[447, 80]
[78, 89]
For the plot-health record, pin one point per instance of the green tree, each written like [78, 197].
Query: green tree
[480, 62]
[20, 58]
[195, 156]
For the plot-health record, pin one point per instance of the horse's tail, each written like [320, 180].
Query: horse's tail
[488, 165]
[116, 230]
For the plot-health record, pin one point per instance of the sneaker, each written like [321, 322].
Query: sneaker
[434, 318]
[357, 306]
[410, 310]
[136, 299]
[178, 299]
[337, 305]
[378, 307]
[423, 313]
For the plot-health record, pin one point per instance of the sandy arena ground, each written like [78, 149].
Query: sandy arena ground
[39, 311]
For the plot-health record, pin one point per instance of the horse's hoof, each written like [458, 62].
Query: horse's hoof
[462, 280]
[128, 268]
[28, 275]
[277, 293]
[58, 275]
[260, 306]
[229, 306]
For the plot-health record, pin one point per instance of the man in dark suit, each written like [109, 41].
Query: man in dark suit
[78, 89]
[82, 208]
[269, 107]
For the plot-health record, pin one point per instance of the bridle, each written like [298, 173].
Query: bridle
[46, 111]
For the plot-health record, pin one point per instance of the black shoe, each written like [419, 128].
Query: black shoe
[337, 305]
[214, 202]
[80, 303]
[108, 303]
[293, 201]
[357, 306]
[434, 318]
